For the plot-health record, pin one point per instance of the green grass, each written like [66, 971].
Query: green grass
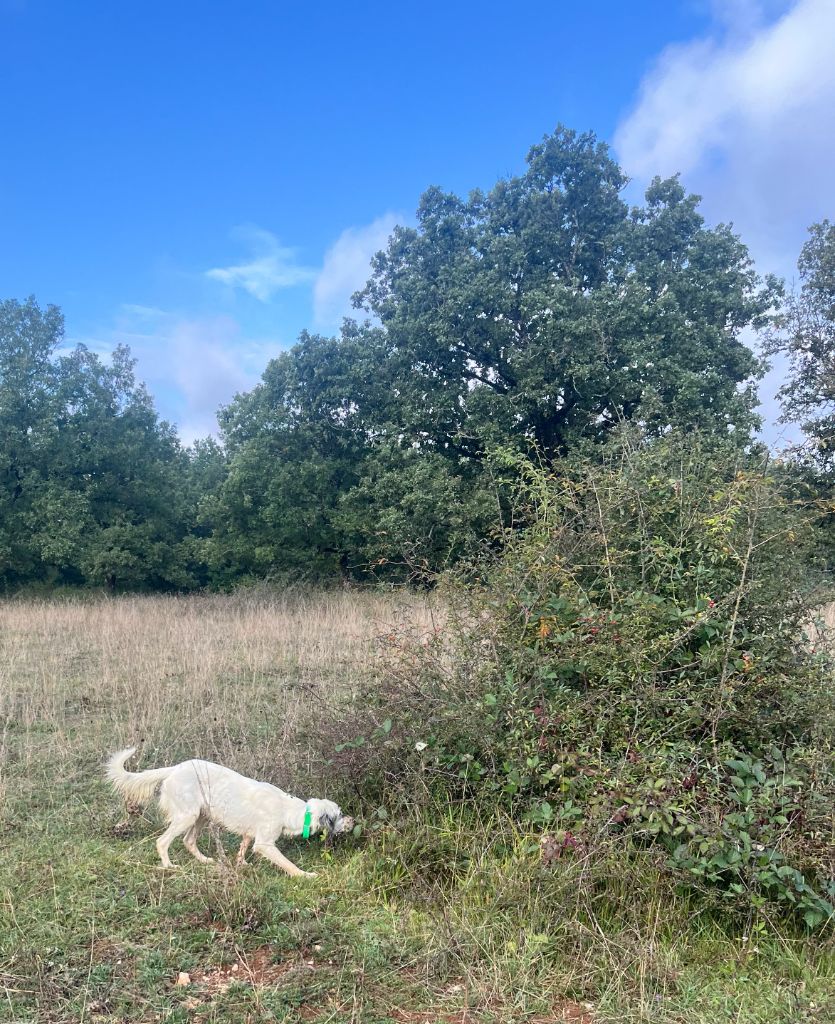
[91, 930]
[437, 918]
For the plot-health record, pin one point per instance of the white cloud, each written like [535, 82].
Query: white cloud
[271, 268]
[745, 85]
[746, 115]
[347, 267]
[192, 365]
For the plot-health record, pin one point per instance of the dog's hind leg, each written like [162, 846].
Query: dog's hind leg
[132, 810]
[177, 827]
[275, 856]
[190, 843]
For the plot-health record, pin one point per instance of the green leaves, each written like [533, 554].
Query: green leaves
[632, 664]
[545, 309]
[91, 483]
[806, 334]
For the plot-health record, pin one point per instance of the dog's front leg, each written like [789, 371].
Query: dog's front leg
[241, 858]
[275, 856]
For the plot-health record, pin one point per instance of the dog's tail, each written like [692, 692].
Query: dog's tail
[135, 787]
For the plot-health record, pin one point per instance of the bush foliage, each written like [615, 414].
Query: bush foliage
[634, 664]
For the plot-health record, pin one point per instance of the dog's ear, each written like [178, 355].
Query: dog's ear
[327, 822]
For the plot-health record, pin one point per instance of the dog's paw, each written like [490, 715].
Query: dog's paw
[310, 874]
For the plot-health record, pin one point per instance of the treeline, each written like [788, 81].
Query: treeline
[544, 314]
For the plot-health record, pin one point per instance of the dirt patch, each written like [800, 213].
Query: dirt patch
[118, 957]
[257, 968]
[108, 951]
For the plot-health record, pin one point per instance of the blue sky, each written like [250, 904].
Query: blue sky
[203, 180]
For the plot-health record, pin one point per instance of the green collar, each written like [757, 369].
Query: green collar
[306, 826]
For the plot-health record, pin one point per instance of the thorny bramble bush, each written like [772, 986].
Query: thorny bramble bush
[633, 664]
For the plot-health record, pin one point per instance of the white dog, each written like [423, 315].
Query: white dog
[194, 792]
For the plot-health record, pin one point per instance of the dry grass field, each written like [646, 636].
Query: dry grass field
[91, 931]
[229, 678]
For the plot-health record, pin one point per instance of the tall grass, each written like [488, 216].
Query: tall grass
[229, 678]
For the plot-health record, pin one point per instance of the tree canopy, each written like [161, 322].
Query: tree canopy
[543, 313]
[806, 334]
[548, 310]
[91, 482]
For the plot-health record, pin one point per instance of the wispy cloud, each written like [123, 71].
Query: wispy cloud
[192, 365]
[270, 267]
[735, 86]
[347, 266]
[745, 113]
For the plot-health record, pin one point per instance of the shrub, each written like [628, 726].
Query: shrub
[632, 664]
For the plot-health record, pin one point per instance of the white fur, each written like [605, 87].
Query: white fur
[195, 791]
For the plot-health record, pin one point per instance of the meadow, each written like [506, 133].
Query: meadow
[439, 919]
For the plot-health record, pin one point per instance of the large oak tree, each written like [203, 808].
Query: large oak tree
[548, 309]
[545, 311]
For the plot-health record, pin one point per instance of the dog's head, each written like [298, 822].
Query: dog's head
[327, 817]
